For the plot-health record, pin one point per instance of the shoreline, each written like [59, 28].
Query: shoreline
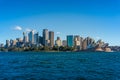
[61, 51]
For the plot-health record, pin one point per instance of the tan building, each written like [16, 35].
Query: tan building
[14, 42]
[77, 40]
[84, 44]
[51, 38]
[58, 42]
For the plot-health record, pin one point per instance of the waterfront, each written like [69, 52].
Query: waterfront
[59, 66]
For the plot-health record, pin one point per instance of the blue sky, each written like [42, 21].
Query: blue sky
[94, 18]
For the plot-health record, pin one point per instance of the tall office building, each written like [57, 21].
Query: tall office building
[19, 39]
[11, 42]
[77, 40]
[58, 42]
[45, 37]
[1, 45]
[25, 37]
[19, 42]
[81, 42]
[7, 43]
[70, 40]
[41, 40]
[84, 45]
[36, 38]
[51, 38]
[64, 43]
[14, 42]
[31, 37]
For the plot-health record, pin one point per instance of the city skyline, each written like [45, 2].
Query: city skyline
[98, 18]
[33, 41]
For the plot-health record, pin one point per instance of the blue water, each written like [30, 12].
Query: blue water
[59, 66]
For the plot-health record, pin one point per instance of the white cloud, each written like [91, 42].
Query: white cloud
[18, 28]
[58, 33]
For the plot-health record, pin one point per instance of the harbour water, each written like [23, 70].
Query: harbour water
[59, 66]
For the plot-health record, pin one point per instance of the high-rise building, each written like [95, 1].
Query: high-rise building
[77, 40]
[1, 45]
[19, 39]
[41, 40]
[36, 38]
[45, 37]
[11, 42]
[84, 45]
[58, 42]
[51, 38]
[64, 43]
[81, 43]
[31, 37]
[25, 37]
[14, 42]
[19, 42]
[70, 40]
[7, 43]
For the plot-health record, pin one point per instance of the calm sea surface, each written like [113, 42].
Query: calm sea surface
[59, 66]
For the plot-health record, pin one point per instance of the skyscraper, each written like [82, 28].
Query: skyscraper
[51, 38]
[36, 38]
[64, 43]
[58, 42]
[45, 37]
[24, 37]
[19, 39]
[11, 42]
[31, 37]
[77, 40]
[1, 45]
[7, 43]
[70, 40]
[41, 40]
[81, 43]
[84, 45]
